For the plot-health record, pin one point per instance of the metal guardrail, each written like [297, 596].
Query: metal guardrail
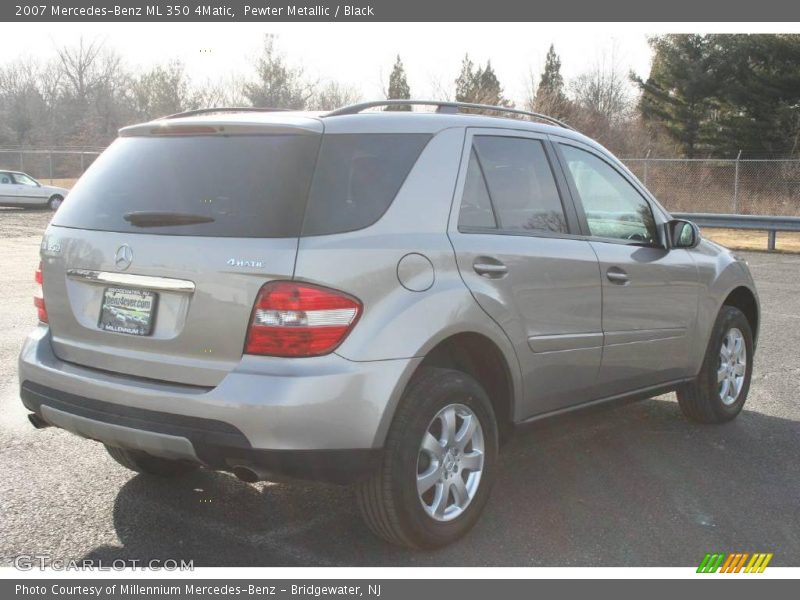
[772, 225]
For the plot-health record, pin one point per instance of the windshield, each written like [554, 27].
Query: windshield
[228, 186]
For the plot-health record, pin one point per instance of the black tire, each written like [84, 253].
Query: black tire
[141, 462]
[700, 400]
[389, 501]
[54, 202]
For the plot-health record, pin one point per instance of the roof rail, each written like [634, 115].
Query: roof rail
[223, 109]
[443, 106]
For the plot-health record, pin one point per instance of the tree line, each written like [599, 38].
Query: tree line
[705, 95]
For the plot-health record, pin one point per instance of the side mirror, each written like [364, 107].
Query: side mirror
[682, 234]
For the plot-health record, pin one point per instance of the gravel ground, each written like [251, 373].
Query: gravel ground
[635, 485]
[20, 222]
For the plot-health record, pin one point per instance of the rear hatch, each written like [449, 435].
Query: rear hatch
[152, 266]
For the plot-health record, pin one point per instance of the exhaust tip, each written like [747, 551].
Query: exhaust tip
[246, 474]
[38, 421]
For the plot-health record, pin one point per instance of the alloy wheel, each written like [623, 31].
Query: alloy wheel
[732, 366]
[450, 462]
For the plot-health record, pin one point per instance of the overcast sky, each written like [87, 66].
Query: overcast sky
[355, 53]
[361, 54]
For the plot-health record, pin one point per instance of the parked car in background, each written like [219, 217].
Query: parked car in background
[376, 298]
[21, 190]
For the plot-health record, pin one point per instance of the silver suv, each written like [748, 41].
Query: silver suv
[370, 297]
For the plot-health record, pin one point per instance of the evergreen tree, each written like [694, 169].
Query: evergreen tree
[398, 86]
[759, 97]
[467, 82]
[551, 84]
[682, 92]
[490, 90]
[479, 85]
[718, 94]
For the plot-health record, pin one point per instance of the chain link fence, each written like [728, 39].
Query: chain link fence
[57, 166]
[748, 187]
[751, 187]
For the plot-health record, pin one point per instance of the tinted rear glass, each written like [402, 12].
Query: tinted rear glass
[357, 177]
[251, 186]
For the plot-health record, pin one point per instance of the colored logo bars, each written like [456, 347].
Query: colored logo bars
[735, 562]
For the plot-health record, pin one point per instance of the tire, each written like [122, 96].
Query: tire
[141, 462]
[702, 400]
[389, 501]
[55, 202]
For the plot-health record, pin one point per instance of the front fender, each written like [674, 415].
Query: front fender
[720, 273]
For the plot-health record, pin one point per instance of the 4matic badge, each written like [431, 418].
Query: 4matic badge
[241, 262]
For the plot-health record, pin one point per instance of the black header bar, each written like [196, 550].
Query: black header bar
[266, 11]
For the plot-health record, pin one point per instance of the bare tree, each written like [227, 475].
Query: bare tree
[333, 95]
[163, 90]
[84, 68]
[278, 84]
[221, 92]
[440, 90]
[21, 102]
[604, 91]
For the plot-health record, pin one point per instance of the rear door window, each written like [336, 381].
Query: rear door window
[521, 188]
[357, 178]
[476, 206]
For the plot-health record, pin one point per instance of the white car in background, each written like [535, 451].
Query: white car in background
[19, 189]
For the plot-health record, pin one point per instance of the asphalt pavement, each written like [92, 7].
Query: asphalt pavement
[632, 485]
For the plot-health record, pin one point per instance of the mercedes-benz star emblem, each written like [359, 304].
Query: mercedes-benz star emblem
[124, 257]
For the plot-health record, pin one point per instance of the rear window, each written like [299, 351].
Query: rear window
[248, 186]
[242, 186]
[357, 177]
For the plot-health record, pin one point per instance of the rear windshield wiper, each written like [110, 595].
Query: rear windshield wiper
[154, 218]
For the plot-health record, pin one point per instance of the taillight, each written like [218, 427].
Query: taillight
[299, 319]
[38, 297]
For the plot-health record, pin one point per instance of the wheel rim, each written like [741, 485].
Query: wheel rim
[732, 366]
[55, 203]
[450, 462]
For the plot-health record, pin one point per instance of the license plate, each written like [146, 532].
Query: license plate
[128, 311]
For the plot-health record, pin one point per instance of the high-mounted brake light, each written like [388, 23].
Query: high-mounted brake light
[184, 130]
[299, 319]
[38, 297]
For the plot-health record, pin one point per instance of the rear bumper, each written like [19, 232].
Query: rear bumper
[318, 418]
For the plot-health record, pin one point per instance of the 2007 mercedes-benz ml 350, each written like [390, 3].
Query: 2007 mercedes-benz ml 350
[370, 297]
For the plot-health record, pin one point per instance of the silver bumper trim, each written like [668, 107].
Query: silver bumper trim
[164, 284]
[157, 444]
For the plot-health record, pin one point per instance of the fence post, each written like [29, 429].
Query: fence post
[736, 185]
[21, 160]
[50, 158]
[646, 162]
[82, 167]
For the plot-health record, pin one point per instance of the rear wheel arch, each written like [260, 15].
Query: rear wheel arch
[479, 356]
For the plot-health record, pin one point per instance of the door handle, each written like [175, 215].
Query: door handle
[489, 267]
[617, 276]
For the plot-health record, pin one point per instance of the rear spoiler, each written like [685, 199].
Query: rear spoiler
[244, 123]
